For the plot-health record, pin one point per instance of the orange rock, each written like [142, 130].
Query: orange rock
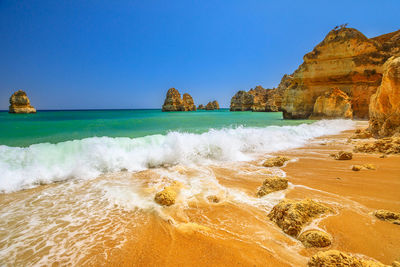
[384, 109]
[333, 104]
[19, 103]
[174, 102]
[333, 258]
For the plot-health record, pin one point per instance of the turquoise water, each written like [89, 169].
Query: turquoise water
[58, 126]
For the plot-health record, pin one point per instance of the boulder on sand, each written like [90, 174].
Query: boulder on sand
[291, 215]
[315, 238]
[272, 184]
[337, 258]
[389, 216]
[343, 155]
[166, 197]
[275, 161]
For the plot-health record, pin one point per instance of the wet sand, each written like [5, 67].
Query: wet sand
[196, 232]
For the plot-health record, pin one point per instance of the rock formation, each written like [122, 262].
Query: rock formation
[174, 102]
[346, 60]
[387, 145]
[291, 215]
[272, 184]
[384, 109]
[188, 102]
[343, 155]
[212, 105]
[201, 106]
[337, 258]
[166, 197]
[19, 103]
[259, 98]
[333, 104]
[275, 161]
[315, 238]
[389, 216]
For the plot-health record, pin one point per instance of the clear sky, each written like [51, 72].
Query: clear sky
[126, 54]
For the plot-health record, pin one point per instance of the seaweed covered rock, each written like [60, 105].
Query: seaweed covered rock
[315, 238]
[19, 103]
[291, 215]
[333, 104]
[272, 184]
[275, 161]
[332, 258]
[389, 216]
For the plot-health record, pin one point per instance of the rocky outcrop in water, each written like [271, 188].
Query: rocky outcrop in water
[291, 215]
[201, 106]
[333, 104]
[384, 109]
[212, 105]
[260, 99]
[275, 161]
[346, 60]
[19, 103]
[174, 102]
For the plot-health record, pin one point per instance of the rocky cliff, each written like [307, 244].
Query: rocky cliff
[346, 60]
[259, 98]
[333, 104]
[19, 103]
[174, 102]
[384, 109]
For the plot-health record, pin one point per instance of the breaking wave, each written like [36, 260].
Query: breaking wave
[25, 167]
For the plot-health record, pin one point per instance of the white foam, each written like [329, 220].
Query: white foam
[88, 158]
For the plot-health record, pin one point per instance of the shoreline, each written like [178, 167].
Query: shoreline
[234, 230]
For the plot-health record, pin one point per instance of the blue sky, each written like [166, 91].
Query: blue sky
[126, 54]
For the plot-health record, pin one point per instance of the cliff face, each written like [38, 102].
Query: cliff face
[174, 102]
[384, 109]
[259, 98]
[333, 104]
[19, 103]
[346, 60]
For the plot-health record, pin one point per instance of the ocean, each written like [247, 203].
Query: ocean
[53, 146]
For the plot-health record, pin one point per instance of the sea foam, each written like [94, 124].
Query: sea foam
[27, 167]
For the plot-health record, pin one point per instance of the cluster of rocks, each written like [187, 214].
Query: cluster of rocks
[174, 102]
[387, 145]
[338, 258]
[19, 103]
[212, 105]
[260, 99]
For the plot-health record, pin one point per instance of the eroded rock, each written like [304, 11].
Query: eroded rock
[212, 105]
[19, 103]
[389, 216]
[188, 102]
[315, 238]
[275, 161]
[174, 102]
[343, 155]
[334, 103]
[337, 258]
[272, 184]
[167, 196]
[388, 145]
[291, 215]
[384, 109]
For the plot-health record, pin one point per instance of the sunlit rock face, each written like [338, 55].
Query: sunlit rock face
[346, 60]
[333, 104]
[384, 109]
[19, 103]
[174, 102]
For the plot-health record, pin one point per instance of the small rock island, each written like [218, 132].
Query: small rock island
[19, 103]
[174, 102]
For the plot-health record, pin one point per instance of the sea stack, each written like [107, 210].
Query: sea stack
[347, 60]
[19, 103]
[174, 102]
[212, 105]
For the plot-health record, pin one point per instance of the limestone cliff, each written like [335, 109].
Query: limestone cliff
[384, 109]
[259, 98]
[19, 103]
[174, 102]
[333, 104]
[346, 60]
